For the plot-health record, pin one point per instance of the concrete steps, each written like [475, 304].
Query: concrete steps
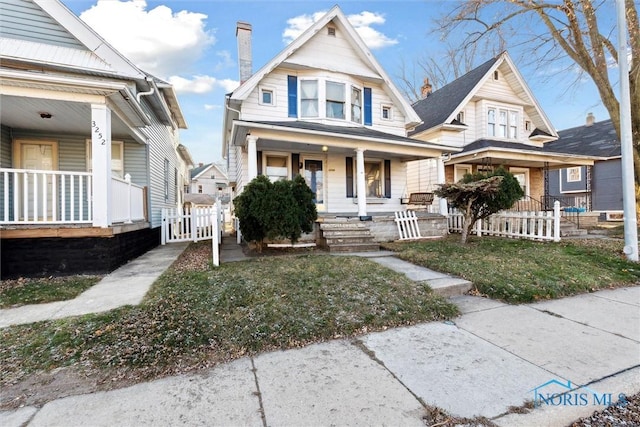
[346, 236]
[570, 229]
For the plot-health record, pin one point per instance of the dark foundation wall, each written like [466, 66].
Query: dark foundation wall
[64, 256]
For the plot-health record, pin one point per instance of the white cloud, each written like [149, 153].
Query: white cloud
[158, 40]
[362, 23]
[225, 60]
[210, 107]
[201, 84]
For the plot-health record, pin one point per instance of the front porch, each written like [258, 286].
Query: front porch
[65, 201]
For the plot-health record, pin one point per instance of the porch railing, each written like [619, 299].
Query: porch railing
[62, 197]
[45, 197]
[126, 200]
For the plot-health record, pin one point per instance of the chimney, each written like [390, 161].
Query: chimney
[243, 36]
[591, 119]
[426, 88]
[200, 165]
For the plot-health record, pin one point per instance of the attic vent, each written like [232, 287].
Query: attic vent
[331, 31]
[496, 75]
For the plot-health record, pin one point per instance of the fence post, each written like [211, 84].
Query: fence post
[215, 241]
[556, 221]
[193, 229]
[479, 227]
[163, 229]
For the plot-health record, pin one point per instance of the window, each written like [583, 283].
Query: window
[117, 158]
[166, 180]
[574, 174]
[267, 96]
[309, 98]
[496, 75]
[502, 123]
[277, 167]
[186, 189]
[356, 105]
[335, 100]
[386, 112]
[491, 121]
[175, 185]
[373, 178]
[200, 189]
[460, 117]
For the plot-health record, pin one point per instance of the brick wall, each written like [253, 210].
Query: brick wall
[64, 256]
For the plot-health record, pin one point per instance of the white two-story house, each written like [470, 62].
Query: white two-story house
[324, 108]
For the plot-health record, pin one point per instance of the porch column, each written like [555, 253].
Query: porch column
[361, 184]
[101, 164]
[441, 180]
[252, 157]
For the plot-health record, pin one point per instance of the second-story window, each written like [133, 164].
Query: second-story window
[309, 98]
[491, 122]
[513, 124]
[356, 105]
[335, 100]
[502, 123]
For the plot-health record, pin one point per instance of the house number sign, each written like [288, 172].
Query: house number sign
[96, 129]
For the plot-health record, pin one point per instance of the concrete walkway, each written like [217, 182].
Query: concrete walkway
[126, 285]
[493, 357]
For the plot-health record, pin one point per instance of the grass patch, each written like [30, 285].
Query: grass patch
[195, 317]
[14, 293]
[521, 271]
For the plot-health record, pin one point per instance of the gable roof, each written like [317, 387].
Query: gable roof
[337, 16]
[442, 106]
[436, 108]
[201, 170]
[599, 139]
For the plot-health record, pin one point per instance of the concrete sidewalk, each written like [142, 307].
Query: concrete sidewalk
[126, 285]
[492, 357]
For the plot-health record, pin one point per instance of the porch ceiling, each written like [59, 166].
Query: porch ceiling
[66, 117]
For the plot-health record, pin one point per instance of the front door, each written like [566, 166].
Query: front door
[39, 189]
[314, 176]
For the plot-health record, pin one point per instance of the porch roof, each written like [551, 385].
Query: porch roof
[517, 154]
[343, 138]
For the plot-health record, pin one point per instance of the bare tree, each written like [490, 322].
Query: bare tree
[570, 29]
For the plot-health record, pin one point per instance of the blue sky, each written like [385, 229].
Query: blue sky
[192, 45]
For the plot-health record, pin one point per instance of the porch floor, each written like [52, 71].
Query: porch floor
[30, 231]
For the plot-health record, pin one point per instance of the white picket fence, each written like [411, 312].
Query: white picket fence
[193, 225]
[520, 225]
[407, 223]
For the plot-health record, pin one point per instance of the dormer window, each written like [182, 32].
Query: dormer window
[502, 123]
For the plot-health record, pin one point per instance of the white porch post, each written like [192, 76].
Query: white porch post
[361, 185]
[101, 164]
[441, 180]
[252, 157]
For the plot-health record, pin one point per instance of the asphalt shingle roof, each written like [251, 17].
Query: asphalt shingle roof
[599, 139]
[435, 108]
[196, 171]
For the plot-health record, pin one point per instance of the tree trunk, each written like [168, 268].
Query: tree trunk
[467, 227]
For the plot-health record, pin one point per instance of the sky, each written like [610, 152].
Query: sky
[192, 45]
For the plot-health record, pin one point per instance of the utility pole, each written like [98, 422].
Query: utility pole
[626, 141]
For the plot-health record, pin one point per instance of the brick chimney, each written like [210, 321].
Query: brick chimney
[245, 63]
[426, 88]
[591, 119]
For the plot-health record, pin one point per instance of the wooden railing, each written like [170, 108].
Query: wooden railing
[45, 197]
[62, 197]
[127, 200]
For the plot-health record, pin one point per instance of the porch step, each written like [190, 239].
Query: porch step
[341, 235]
[570, 229]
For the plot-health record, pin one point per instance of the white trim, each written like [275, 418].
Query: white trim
[282, 154]
[527, 182]
[271, 90]
[579, 179]
[457, 176]
[88, 156]
[382, 108]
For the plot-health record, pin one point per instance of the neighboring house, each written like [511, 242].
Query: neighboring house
[210, 180]
[493, 118]
[597, 188]
[184, 174]
[325, 109]
[78, 120]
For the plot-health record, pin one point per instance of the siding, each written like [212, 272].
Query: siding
[422, 175]
[24, 20]
[72, 156]
[572, 187]
[135, 163]
[607, 185]
[5, 162]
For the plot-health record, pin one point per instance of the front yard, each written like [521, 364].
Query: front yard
[195, 317]
[522, 271]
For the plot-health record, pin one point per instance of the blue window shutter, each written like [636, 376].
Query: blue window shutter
[292, 88]
[367, 107]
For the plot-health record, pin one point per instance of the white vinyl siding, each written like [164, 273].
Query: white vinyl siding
[421, 176]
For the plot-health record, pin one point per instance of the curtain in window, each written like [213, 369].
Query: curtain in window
[335, 100]
[503, 124]
[309, 98]
[513, 124]
[372, 176]
[491, 120]
[356, 105]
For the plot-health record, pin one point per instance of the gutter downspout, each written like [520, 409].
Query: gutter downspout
[150, 92]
